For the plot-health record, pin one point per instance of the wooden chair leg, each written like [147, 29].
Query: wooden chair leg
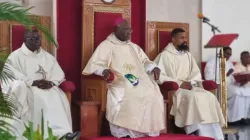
[68, 94]
[101, 115]
[89, 118]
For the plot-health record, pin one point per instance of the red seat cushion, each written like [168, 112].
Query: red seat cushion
[169, 85]
[209, 85]
[162, 137]
[68, 86]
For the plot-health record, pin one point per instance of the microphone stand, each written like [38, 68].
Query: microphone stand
[214, 29]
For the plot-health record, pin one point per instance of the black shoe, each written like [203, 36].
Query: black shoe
[71, 136]
[243, 122]
[195, 133]
[126, 137]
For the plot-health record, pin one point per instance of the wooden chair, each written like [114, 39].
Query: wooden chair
[11, 38]
[158, 35]
[98, 22]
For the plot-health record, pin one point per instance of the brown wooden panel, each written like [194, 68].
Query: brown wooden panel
[95, 90]
[4, 36]
[87, 30]
[6, 31]
[116, 2]
[89, 119]
[152, 29]
[46, 21]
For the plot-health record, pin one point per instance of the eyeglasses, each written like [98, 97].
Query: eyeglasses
[128, 31]
[34, 38]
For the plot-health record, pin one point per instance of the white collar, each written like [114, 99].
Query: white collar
[26, 51]
[171, 48]
[181, 52]
[115, 40]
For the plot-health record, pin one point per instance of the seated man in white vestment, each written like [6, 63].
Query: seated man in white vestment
[37, 76]
[209, 71]
[135, 105]
[239, 93]
[194, 108]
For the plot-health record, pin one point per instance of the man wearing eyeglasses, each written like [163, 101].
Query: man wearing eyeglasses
[37, 77]
[134, 102]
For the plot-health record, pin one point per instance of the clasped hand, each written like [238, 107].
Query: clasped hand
[43, 84]
[186, 85]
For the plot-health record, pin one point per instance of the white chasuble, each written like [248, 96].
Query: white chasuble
[134, 101]
[26, 67]
[238, 96]
[190, 107]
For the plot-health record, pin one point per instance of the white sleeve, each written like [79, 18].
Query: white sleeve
[150, 67]
[56, 74]
[209, 71]
[11, 67]
[99, 71]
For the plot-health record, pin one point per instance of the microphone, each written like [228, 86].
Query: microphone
[201, 16]
[206, 20]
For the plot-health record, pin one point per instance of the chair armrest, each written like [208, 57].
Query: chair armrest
[67, 86]
[169, 85]
[93, 76]
[209, 85]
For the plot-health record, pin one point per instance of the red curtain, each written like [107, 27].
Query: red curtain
[138, 19]
[69, 27]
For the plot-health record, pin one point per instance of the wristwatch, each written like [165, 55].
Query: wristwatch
[194, 83]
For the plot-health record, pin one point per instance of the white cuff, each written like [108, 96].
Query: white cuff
[57, 83]
[28, 82]
[150, 67]
[99, 71]
[193, 83]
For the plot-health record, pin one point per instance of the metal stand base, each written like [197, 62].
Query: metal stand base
[232, 131]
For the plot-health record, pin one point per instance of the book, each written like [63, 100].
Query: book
[241, 77]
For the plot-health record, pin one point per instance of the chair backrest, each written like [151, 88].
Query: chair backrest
[158, 35]
[98, 22]
[12, 34]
